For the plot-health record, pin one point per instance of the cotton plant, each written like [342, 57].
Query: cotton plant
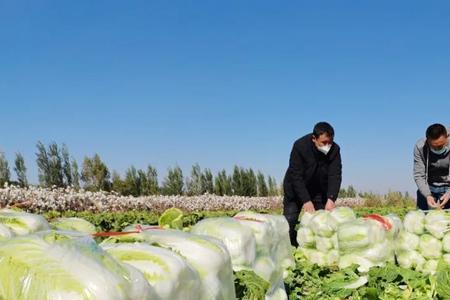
[38, 200]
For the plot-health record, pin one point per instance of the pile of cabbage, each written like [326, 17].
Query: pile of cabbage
[424, 241]
[62, 260]
[257, 242]
[339, 238]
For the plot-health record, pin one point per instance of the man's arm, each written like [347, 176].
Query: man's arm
[419, 171]
[334, 175]
[297, 171]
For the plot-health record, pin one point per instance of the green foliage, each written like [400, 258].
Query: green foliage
[194, 183]
[223, 184]
[132, 182]
[273, 189]
[21, 170]
[350, 192]
[54, 166]
[173, 183]
[307, 281]
[5, 173]
[75, 175]
[67, 167]
[152, 181]
[391, 199]
[207, 182]
[95, 174]
[263, 191]
[171, 218]
[110, 221]
[236, 183]
[249, 183]
[250, 286]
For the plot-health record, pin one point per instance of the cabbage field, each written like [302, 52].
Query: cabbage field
[361, 253]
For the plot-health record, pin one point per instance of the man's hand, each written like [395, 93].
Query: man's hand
[444, 199]
[431, 202]
[309, 207]
[330, 205]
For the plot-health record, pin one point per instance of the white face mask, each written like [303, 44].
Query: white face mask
[324, 149]
[439, 152]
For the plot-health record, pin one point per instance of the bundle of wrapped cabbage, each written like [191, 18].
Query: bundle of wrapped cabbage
[338, 238]
[317, 235]
[65, 265]
[207, 255]
[424, 241]
[170, 275]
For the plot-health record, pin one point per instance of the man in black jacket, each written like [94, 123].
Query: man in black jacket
[314, 175]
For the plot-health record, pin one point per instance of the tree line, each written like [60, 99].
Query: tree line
[56, 168]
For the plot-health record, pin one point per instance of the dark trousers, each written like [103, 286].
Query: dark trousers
[291, 211]
[422, 200]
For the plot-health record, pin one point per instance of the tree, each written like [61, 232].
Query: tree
[50, 165]
[236, 183]
[351, 192]
[207, 181]
[249, 183]
[144, 189]
[56, 166]
[75, 175]
[5, 174]
[21, 170]
[173, 183]
[117, 184]
[67, 167]
[95, 174]
[194, 182]
[262, 186]
[43, 163]
[132, 182]
[222, 184]
[273, 189]
[152, 179]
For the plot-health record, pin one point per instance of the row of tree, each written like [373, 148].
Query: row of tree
[57, 168]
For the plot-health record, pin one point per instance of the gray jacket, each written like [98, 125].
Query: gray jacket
[421, 167]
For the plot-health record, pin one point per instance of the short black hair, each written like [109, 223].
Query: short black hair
[435, 131]
[323, 128]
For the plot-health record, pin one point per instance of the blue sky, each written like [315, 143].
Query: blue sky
[225, 82]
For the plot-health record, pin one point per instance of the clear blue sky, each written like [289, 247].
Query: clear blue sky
[225, 82]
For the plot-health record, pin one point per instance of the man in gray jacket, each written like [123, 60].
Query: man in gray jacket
[432, 168]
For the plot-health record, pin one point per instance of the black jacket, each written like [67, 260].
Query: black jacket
[311, 172]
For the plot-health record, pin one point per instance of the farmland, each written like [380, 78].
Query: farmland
[303, 279]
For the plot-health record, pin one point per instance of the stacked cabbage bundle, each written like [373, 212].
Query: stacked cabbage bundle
[424, 241]
[207, 263]
[368, 242]
[257, 242]
[317, 235]
[338, 238]
[39, 263]
[66, 262]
